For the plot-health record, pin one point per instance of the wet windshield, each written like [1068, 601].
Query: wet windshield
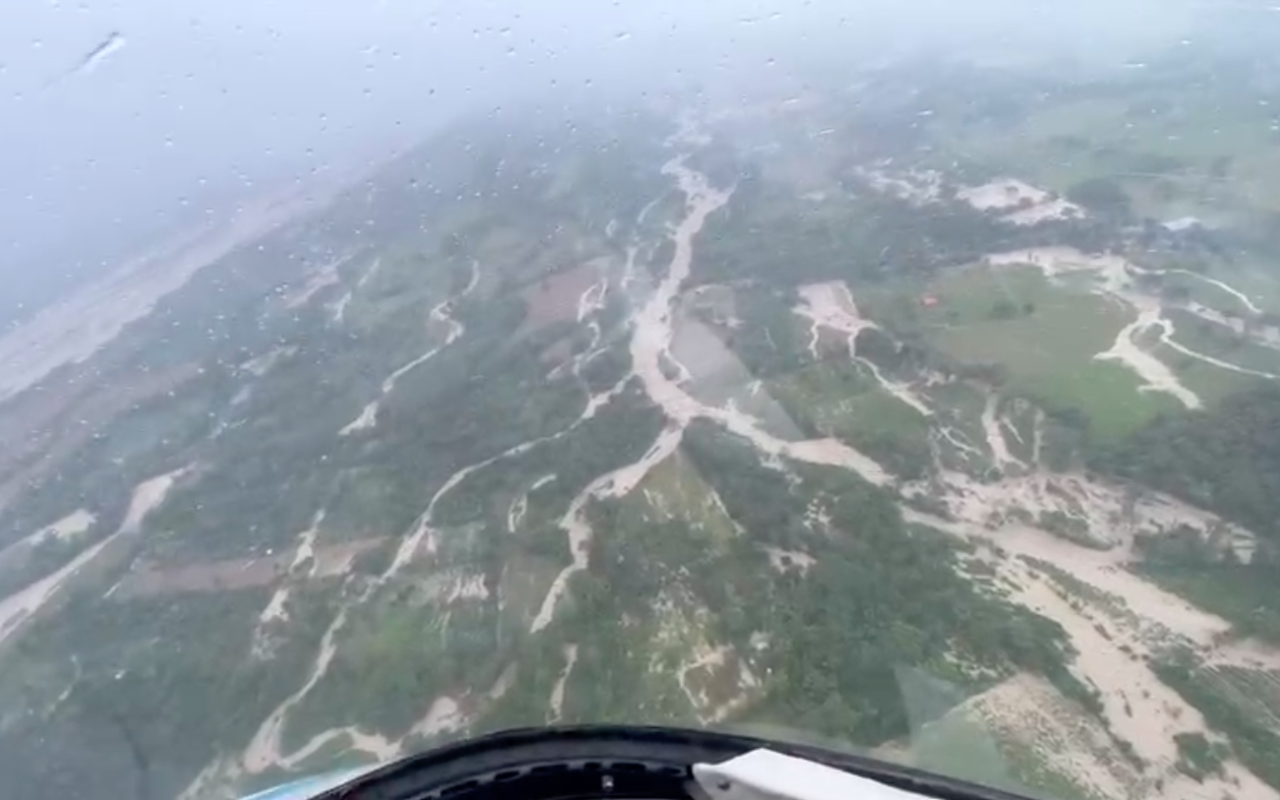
[902, 377]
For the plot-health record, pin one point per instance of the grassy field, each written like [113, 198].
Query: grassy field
[1210, 383]
[1045, 338]
[1209, 295]
[1222, 343]
[1175, 154]
[1258, 279]
[842, 399]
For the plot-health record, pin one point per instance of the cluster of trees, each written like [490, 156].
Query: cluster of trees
[396, 655]
[724, 168]
[605, 370]
[769, 341]
[176, 671]
[1227, 460]
[1102, 196]
[394, 658]
[879, 596]
[867, 235]
[619, 434]
[1198, 757]
[148, 439]
[156, 689]
[625, 672]
[1254, 743]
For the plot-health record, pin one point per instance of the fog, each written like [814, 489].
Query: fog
[205, 101]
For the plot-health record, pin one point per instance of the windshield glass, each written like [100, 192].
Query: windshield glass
[902, 377]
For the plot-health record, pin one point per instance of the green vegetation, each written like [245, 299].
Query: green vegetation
[619, 434]
[860, 236]
[771, 340]
[1073, 529]
[1211, 383]
[1197, 757]
[841, 399]
[727, 586]
[170, 673]
[270, 456]
[1173, 144]
[1223, 343]
[857, 696]
[1255, 691]
[1045, 348]
[26, 564]
[960, 747]
[540, 664]
[1078, 591]
[1256, 745]
[1101, 196]
[607, 369]
[395, 658]
[1243, 594]
[1190, 286]
[680, 493]
[1217, 460]
[620, 644]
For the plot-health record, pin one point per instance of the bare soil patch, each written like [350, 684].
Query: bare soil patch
[241, 573]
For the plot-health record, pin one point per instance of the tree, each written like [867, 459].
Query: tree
[878, 347]
[1002, 309]
[1103, 196]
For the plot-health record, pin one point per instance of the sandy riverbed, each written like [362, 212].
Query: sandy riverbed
[1116, 674]
[830, 306]
[1112, 644]
[651, 340]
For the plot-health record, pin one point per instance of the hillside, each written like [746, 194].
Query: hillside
[804, 417]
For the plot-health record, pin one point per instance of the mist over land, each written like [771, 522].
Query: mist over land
[898, 375]
[208, 103]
